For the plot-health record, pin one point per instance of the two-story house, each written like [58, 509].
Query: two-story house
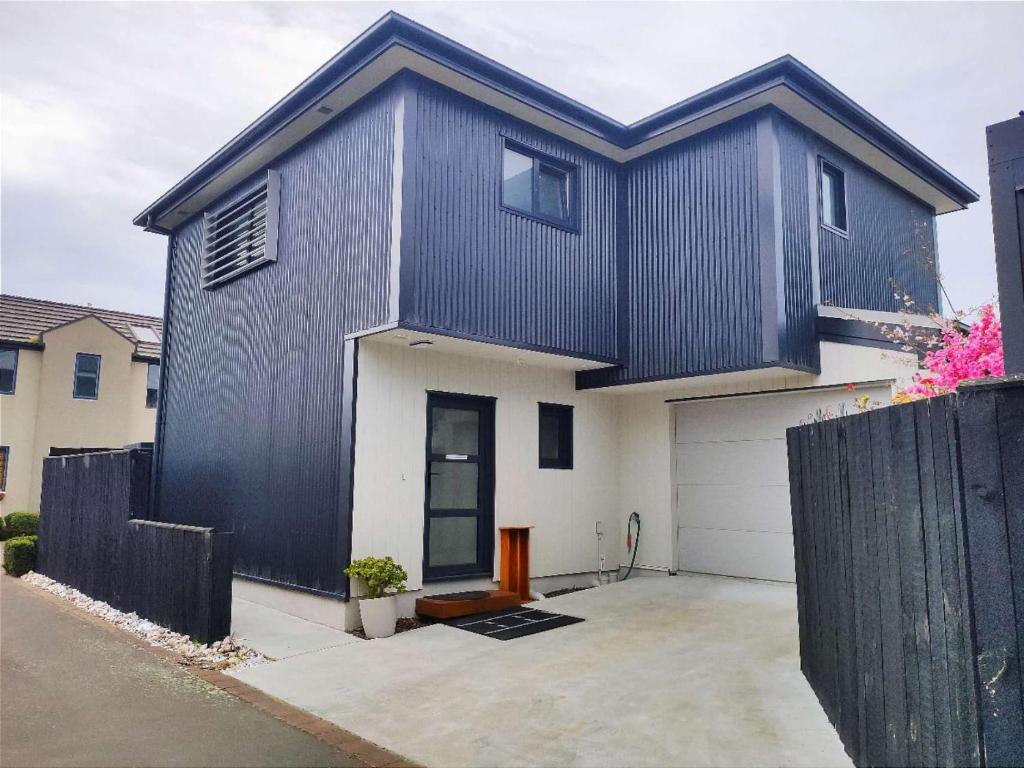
[71, 378]
[424, 296]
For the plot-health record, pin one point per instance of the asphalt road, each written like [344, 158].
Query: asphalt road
[77, 694]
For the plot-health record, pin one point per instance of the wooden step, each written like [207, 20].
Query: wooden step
[450, 606]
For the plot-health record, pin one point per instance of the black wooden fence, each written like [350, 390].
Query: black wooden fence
[91, 538]
[908, 529]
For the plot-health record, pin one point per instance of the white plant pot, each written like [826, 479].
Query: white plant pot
[379, 616]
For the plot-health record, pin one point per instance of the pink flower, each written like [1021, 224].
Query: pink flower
[976, 355]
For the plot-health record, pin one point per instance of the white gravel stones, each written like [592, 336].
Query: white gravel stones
[223, 654]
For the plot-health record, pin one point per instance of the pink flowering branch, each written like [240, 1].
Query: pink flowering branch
[960, 357]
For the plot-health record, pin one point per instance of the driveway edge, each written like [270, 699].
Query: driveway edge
[371, 754]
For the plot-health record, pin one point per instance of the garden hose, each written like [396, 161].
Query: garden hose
[631, 542]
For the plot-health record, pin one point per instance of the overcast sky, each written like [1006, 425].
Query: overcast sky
[105, 106]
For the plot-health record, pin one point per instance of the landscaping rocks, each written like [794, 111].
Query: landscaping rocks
[223, 654]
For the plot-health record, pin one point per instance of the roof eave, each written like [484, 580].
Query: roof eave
[394, 29]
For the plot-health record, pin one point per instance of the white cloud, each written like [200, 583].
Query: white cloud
[104, 106]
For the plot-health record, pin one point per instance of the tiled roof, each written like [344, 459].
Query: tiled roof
[24, 320]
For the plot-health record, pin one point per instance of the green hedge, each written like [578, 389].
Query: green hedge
[20, 555]
[21, 524]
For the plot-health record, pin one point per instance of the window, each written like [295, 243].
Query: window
[5, 454]
[536, 185]
[833, 197]
[8, 371]
[242, 234]
[87, 376]
[152, 384]
[146, 333]
[555, 436]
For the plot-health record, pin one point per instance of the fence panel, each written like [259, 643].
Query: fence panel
[908, 525]
[92, 537]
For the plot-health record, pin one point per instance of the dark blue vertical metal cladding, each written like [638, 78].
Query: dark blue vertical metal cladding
[693, 300]
[474, 269]
[255, 419]
[889, 249]
[800, 347]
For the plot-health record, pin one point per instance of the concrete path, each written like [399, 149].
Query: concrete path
[279, 635]
[680, 671]
[78, 694]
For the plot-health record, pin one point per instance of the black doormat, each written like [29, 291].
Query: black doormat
[511, 623]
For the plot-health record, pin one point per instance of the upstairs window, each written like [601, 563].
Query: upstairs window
[833, 197]
[8, 371]
[538, 186]
[152, 384]
[241, 235]
[87, 376]
[555, 436]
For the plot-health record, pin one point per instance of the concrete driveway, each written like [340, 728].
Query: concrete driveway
[668, 671]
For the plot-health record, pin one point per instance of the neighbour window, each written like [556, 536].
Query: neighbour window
[241, 234]
[833, 197]
[87, 376]
[8, 371]
[555, 436]
[152, 384]
[5, 453]
[536, 185]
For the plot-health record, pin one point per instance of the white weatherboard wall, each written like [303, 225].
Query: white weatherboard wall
[564, 505]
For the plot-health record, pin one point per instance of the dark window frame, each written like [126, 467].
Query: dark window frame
[14, 381]
[541, 160]
[156, 392]
[566, 436]
[826, 167]
[5, 450]
[74, 382]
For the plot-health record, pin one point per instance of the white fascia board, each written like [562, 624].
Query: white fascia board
[396, 58]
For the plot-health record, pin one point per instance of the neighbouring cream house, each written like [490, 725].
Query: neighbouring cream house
[71, 378]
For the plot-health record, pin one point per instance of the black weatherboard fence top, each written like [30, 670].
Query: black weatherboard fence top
[908, 528]
[91, 538]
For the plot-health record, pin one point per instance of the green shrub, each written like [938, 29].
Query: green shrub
[3, 528]
[21, 524]
[20, 555]
[382, 575]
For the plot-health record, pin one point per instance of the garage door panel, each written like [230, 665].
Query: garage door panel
[746, 462]
[744, 418]
[732, 479]
[767, 416]
[738, 553]
[733, 507]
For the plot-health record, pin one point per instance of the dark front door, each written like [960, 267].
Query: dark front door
[458, 530]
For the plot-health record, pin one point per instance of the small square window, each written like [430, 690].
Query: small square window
[833, 197]
[8, 371]
[555, 430]
[538, 186]
[87, 376]
[152, 384]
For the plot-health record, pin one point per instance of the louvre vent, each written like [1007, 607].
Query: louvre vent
[242, 234]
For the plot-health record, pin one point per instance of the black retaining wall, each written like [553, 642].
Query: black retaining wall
[908, 530]
[92, 538]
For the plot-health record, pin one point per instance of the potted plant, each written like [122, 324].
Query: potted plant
[384, 579]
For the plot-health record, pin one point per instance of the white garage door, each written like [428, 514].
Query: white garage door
[732, 479]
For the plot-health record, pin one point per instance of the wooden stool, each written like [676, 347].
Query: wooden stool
[515, 560]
